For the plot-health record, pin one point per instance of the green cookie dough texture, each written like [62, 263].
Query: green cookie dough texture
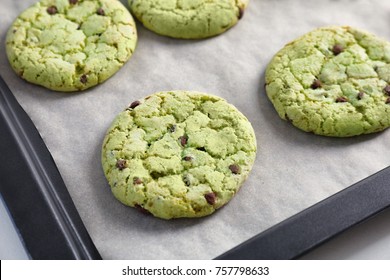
[188, 19]
[333, 81]
[178, 154]
[70, 45]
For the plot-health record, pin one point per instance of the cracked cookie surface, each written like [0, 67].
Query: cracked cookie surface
[71, 45]
[178, 154]
[333, 81]
[188, 19]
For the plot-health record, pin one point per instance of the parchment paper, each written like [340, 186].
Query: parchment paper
[293, 169]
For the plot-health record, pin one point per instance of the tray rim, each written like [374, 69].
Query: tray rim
[45, 184]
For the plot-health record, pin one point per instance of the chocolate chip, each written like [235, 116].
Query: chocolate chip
[137, 181]
[52, 10]
[316, 84]
[183, 140]
[72, 2]
[240, 13]
[187, 158]
[235, 169]
[121, 164]
[341, 99]
[172, 128]
[387, 89]
[14, 31]
[134, 104]
[210, 198]
[201, 149]
[360, 95]
[387, 100]
[141, 209]
[337, 49]
[84, 79]
[100, 12]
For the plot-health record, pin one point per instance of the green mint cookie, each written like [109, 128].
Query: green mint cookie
[71, 45]
[188, 19]
[333, 81]
[178, 154]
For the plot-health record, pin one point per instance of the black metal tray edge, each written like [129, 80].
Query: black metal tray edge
[34, 191]
[315, 225]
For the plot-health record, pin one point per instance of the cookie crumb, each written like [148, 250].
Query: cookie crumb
[210, 198]
[316, 84]
[121, 164]
[134, 104]
[52, 10]
[235, 169]
[337, 49]
[341, 99]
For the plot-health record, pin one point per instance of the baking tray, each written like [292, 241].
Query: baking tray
[51, 227]
[34, 191]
